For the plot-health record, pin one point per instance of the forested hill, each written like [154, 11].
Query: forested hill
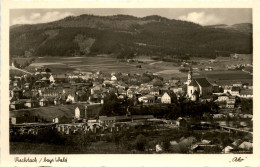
[126, 36]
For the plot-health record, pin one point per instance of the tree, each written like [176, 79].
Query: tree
[165, 143]
[47, 70]
[140, 142]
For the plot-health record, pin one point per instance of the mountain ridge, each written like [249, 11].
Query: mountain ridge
[120, 34]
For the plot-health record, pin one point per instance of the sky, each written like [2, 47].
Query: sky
[203, 16]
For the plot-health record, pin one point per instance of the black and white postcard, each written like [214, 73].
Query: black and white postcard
[87, 83]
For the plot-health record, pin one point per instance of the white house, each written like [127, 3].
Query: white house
[166, 98]
[113, 78]
[235, 91]
[227, 149]
[223, 98]
[70, 99]
[77, 113]
[56, 120]
[43, 102]
[147, 98]
[51, 78]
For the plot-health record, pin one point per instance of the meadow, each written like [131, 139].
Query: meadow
[50, 112]
[164, 69]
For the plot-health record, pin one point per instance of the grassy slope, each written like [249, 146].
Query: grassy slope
[48, 113]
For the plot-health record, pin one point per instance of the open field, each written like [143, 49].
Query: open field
[93, 64]
[221, 63]
[227, 76]
[165, 69]
[48, 113]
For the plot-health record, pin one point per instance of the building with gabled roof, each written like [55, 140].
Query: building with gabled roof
[168, 97]
[246, 93]
[200, 85]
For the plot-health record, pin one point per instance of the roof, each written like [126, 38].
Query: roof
[246, 92]
[106, 118]
[203, 82]
[180, 118]
[235, 88]
[193, 83]
[142, 116]
[246, 145]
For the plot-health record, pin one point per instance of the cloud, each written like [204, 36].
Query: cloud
[41, 18]
[201, 18]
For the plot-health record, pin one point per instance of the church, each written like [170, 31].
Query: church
[197, 87]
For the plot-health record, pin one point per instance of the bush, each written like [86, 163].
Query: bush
[140, 143]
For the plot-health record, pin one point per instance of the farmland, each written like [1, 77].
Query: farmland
[165, 69]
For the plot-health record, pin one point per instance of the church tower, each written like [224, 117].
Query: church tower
[189, 76]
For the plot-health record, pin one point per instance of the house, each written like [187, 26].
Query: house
[121, 92]
[141, 117]
[174, 82]
[230, 105]
[176, 90]
[43, 102]
[24, 119]
[206, 98]
[246, 146]
[113, 78]
[95, 88]
[168, 98]
[208, 68]
[95, 98]
[227, 89]
[231, 99]
[158, 148]
[246, 93]
[205, 148]
[154, 91]
[31, 103]
[55, 120]
[77, 113]
[57, 101]
[235, 91]
[237, 142]
[51, 92]
[16, 105]
[181, 122]
[70, 99]
[130, 93]
[147, 98]
[51, 78]
[60, 78]
[218, 116]
[104, 120]
[81, 111]
[27, 85]
[227, 149]
[231, 102]
[238, 84]
[223, 98]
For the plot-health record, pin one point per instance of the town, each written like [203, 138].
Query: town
[135, 113]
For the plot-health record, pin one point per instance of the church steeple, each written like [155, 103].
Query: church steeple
[189, 76]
